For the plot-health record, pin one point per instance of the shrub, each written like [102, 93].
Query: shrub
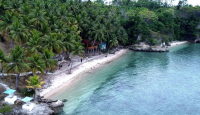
[28, 92]
[5, 108]
[166, 40]
[153, 42]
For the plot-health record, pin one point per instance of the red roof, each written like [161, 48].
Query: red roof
[89, 42]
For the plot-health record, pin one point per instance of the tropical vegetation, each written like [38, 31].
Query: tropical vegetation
[35, 83]
[39, 30]
[5, 108]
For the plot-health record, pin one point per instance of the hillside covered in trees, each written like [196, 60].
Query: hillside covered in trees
[156, 20]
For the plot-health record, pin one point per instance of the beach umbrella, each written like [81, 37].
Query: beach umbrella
[9, 91]
[27, 99]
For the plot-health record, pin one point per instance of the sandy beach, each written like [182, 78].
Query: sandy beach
[176, 43]
[63, 78]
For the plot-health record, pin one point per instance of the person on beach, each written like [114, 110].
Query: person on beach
[60, 66]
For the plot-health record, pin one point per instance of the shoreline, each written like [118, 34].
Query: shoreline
[177, 43]
[64, 79]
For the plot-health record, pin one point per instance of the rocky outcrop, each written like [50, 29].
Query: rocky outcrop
[39, 109]
[42, 107]
[57, 104]
[54, 105]
[149, 49]
[57, 110]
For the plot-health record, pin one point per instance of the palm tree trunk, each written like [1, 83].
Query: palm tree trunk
[87, 48]
[45, 74]
[2, 72]
[33, 72]
[118, 47]
[63, 55]
[38, 26]
[17, 78]
[34, 97]
[93, 47]
[70, 67]
[99, 51]
[99, 48]
[12, 44]
[108, 51]
[68, 54]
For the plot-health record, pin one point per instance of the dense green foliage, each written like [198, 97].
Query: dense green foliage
[28, 92]
[58, 25]
[155, 19]
[5, 108]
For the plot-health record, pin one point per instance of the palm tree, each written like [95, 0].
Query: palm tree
[121, 36]
[69, 43]
[112, 42]
[7, 20]
[17, 63]
[52, 43]
[45, 28]
[61, 11]
[37, 17]
[25, 9]
[108, 31]
[13, 5]
[98, 34]
[18, 32]
[36, 63]
[52, 19]
[3, 60]
[50, 63]
[61, 37]
[26, 22]
[78, 50]
[60, 27]
[34, 83]
[34, 43]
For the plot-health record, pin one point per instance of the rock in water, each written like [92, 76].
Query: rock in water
[57, 104]
[64, 100]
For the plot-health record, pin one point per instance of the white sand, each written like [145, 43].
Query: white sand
[60, 80]
[176, 43]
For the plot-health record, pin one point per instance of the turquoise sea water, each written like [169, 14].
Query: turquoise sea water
[139, 83]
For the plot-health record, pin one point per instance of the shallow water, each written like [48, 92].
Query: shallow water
[139, 83]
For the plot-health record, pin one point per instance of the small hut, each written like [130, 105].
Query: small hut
[88, 44]
[102, 46]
